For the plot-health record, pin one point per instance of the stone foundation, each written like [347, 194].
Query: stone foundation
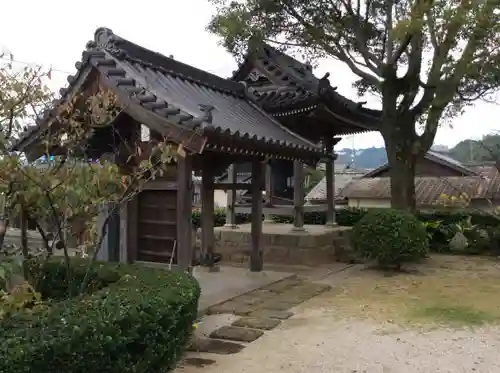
[314, 246]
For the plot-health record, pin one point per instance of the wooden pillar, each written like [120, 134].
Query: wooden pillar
[184, 248]
[123, 255]
[256, 259]
[132, 229]
[231, 198]
[330, 186]
[269, 191]
[207, 216]
[298, 196]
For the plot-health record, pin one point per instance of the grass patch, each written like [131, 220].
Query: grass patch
[456, 315]
[458, 291]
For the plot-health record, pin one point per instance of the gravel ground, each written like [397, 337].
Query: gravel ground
[313, 341]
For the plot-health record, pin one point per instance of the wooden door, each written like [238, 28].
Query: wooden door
[157, 225]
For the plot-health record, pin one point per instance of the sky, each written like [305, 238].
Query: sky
[53, 34]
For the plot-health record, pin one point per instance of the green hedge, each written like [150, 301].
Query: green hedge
[350, 216]
[137, 320]
[391, 237]
[219, 218]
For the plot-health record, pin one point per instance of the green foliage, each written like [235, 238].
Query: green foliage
[485, 150]
[440, 226]
[219, 218]
[139, 321]
[390, 237]
[20, 298]
[448, 52]
[346, 217]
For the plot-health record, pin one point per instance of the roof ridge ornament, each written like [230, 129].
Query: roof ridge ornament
[206, 109]
[324, 84]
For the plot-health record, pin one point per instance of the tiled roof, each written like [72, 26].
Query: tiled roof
[301, 90]
[427, 189]
[180, 94]
[435, 157]
[318, 193]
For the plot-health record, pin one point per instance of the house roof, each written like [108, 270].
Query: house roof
[435, 157]
[427, 189]
[300, 91]
[478, 182]
[177, 95]
[318, 192]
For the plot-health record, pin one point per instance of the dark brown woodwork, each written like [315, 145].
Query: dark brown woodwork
[269, 185]
[184, 206]
[232, 186]
[330, 186]
[157, 223]
[298, 196]
[132, 230]
[256, 257]
[207, 213]
[231, 198]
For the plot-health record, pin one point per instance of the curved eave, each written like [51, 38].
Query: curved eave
[140, 103]
[43, 122]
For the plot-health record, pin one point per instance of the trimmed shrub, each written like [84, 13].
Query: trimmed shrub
[346, 217]
[137, 319]
[219, 218]
[391, 237]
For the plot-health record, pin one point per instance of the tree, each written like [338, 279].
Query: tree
[68, 190]
[426, 59]
[485, 150]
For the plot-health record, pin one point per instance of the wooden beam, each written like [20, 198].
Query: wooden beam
[184, 249]
[280, 209]
[256, 260]
[123, 233]
[207, 214]
[231, 198]
[298, 196]
[132, 229]
[232, 186]
[269, 191]
[330, 186]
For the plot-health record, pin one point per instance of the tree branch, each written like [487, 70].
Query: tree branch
[339, 52]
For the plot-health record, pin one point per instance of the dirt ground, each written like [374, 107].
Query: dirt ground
[440, 317]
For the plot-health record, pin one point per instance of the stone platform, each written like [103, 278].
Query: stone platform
[315, 245]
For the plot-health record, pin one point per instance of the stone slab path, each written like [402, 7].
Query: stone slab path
[259, 311]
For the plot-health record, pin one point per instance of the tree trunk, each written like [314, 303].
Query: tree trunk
[402, 172]
[402, 157]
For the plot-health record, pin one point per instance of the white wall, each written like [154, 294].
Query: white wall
[369, 203]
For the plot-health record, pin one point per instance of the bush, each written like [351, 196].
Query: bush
[346, 217]
[139, 320]
[391, 237]
[219, 218]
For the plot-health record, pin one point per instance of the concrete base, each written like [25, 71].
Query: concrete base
[227, 284]
[314, 245]
[211, 269]
[232, 282]
[298, 229]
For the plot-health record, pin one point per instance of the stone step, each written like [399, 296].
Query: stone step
[257, 323]
[272, 314]
[236, 334]
[214, 346]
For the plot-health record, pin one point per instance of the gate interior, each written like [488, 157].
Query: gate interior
[157, 225]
